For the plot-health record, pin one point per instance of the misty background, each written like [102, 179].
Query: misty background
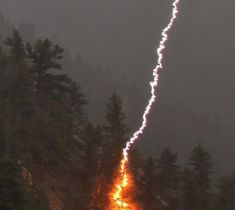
[117, 39]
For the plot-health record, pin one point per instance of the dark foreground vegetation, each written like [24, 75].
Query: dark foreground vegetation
[53, 157]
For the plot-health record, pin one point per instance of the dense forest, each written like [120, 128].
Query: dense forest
[53, 157]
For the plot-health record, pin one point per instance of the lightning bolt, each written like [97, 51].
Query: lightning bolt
[123, 183]
[153, 83]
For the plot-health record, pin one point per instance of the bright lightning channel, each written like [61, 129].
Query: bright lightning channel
[117, 195]
[153, 83]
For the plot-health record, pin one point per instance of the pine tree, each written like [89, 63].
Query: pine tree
[17, 47]
[16, 78]
[167, 170]
[90, 147]
[115, 133]
[91, 150]
[226, 193]
[16, 103]
[147, 184]
[188, 188]
[197, 180]
[200, 161]
[167, 179]
[44, 56]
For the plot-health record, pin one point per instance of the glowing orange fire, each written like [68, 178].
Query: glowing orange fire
[120, 195]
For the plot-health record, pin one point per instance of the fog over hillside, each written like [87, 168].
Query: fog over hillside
[197, 84]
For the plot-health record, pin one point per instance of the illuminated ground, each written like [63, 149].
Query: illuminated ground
[121, 196]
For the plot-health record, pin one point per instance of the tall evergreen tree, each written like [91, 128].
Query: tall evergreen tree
[200, 161]
[167, 170]
[197, 180]
[44, 56]
[167, 179]
[16, 102]
[17, 47]
[115, 132]
[147, 185]
[226, 193]
[90, 150]
[188, 189]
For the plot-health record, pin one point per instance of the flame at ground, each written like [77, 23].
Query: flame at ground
[120, 196]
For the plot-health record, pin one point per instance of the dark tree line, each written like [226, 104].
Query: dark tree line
[42, 109]
[52, 156]
[44, 125]
[164, 185]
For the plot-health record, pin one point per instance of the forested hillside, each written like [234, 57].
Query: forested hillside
[53, 157]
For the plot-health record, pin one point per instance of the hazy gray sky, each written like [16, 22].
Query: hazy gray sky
[123, 34]
[113, 33]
